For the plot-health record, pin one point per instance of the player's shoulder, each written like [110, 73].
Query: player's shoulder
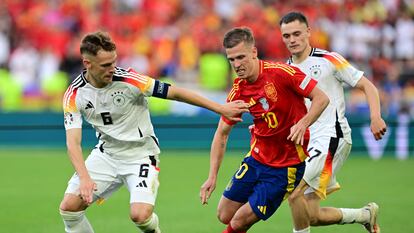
[131, 77]
[122, 74]
[317, 52]
[237, 83]
[332, 57]
[71, 93]
[278, 68]
[235, 89]
[78, 82]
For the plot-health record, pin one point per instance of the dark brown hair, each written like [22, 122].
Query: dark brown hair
[293, 16]
[96, 41]
[237, 35]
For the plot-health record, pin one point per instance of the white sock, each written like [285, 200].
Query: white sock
[151, 225]
[76, 222]
[306, 230]
[354, 215]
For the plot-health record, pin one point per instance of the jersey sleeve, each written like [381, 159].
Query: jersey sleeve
[72, 116]
[147, 85]
[300, 82]
[233, 95]
[345, 72]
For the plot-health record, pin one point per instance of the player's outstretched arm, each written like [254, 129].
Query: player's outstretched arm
[231, 111]
[319, 102]
[218, 148]
[73, 142]
[378, 126]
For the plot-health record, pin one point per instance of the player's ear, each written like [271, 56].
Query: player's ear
[86, 63]
[254, 51]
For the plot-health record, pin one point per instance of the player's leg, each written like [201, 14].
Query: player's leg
[318, 176]
[321, 216]
[235, 197]
[242, 220]
[144, 218]
[299, 209]
[72, 208]
[295, 189]
[227, 209]
[141, 178]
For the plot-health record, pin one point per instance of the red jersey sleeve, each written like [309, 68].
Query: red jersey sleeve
[233, 95]
[299, 81]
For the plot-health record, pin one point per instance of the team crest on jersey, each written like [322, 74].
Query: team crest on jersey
[271, 92]
[265, 104]
[316, 71]
[118, 98]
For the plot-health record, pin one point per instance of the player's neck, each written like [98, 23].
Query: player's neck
[256, 72]
[300, 57]
[93, 81]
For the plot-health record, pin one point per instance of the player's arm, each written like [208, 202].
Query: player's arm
[73, 143]
[231, 111]
[218, 148]
[378, 126]
[319, 102]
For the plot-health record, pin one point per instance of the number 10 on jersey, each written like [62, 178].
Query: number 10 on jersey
[271, 120]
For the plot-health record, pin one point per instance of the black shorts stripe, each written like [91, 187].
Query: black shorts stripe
[153, 160]
[333, 145]
[155, 140]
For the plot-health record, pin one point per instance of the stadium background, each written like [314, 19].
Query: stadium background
[179, 41]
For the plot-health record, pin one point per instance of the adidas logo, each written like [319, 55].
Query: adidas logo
[262, 209]
[89, 105]
[142, 184]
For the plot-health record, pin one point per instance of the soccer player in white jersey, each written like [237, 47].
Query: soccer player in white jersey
[330, 141]
[113, 101]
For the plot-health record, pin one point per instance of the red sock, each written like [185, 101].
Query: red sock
[231, 230]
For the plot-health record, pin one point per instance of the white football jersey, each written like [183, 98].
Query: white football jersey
[332, 71]
[118, 112]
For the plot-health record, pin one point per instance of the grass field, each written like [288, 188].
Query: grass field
[33, 182]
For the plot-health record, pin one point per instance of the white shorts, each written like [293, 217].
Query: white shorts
[326, 157]
[140, 176]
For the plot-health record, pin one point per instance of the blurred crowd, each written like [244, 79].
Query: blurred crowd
[180, 41]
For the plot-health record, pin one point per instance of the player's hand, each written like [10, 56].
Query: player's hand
[297, 132]
[86, 188]
[378, 128]
[206, 189]
[233, 110]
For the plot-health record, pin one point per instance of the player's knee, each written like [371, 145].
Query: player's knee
[313, 220]
[293, 198]
[223, 217]
[72, 204]
[140, 216]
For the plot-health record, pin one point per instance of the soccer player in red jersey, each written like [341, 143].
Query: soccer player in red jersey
[273, 168]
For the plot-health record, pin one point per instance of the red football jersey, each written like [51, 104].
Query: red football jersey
[277, 103]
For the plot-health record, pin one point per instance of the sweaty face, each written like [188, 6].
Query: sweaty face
[296, 36]
[243, 58]
[100, 68]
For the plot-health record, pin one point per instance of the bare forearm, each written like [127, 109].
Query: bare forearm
[315, 110]
[372, 97]
[78, 163]
[373, 102]
[193, 98]
[218, 148]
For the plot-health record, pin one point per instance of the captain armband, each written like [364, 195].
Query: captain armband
[160, 89]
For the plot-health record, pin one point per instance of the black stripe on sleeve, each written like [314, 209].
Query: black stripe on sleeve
[160, 89]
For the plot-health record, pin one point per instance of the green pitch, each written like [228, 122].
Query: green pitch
[33, 182]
